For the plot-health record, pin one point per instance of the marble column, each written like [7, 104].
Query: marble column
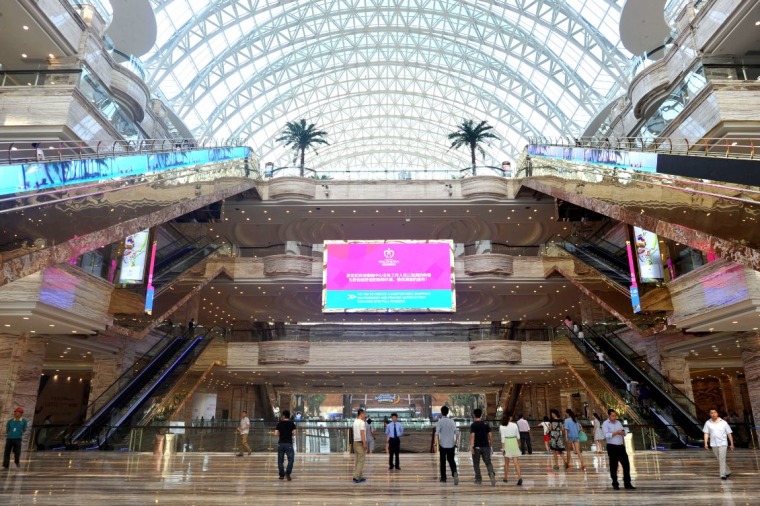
[751, 360]
[591, 312]
[21, 359]
[107, 369]
[676, 370]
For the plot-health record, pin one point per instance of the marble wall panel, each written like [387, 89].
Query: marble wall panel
[287, 266]
[380, 354]
[63, 20]
[284, 352]
[35, 106]
[488, 264]
[242, 355]
[495, 352]
[490, 187]
[712, 288]
[290, 187]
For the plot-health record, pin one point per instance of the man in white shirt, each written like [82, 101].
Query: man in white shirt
[446, 437]
[614, 433]
[525, 445]
[719, 434]
[360, 446]
[243, 428]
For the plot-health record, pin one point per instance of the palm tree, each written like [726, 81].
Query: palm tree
[472, 136]
[299, 138]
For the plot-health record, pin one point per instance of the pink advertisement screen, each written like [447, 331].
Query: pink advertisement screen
[386, 276]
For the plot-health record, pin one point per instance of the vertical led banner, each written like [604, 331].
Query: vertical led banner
[150, 294]
[133, 258]
[648, 256]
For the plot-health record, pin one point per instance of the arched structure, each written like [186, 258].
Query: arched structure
[387, 79]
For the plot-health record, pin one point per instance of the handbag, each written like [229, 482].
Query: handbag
[582, 437]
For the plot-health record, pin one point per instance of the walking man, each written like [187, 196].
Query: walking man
[480, 445]
[446, 439]
[719, 434]
[393, 432]
[285, 430]
[243, 428]
[525, 445]
[360, 446]
[614, 433]
[14, 431]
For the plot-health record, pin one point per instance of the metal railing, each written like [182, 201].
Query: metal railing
[589, 172]
[23, 151]
[722, 147]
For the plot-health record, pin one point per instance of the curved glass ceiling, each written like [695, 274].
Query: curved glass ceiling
[387, 79]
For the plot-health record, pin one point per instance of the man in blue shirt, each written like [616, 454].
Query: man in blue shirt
[393, 432]
[14, 431]
[614, 433]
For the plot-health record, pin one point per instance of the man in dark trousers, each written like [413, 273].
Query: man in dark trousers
[393, 432]
[285, 430]
[14, 431]
[480, 445]
[446, 438]
[614, 433]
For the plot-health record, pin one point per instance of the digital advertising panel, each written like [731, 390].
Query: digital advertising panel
[388, 276]
[648, 255]
[134, 257]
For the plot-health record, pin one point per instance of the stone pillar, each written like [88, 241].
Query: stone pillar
[492, 405]
[21, 360]
[676, 370]
[736, 393]
[751, 361]
[107, 369]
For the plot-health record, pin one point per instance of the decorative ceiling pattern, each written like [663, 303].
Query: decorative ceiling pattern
[387, 79]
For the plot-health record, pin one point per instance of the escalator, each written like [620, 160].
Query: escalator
[124, 400]
[182, 257]
[675, 415]
[605, 257]
[629, 187]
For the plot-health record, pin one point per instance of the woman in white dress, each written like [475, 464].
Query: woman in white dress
[510, 437]
[598, 433]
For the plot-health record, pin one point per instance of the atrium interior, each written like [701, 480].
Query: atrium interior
[212, 207]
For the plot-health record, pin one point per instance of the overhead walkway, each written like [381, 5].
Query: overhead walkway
[678, 419]
[108, 195]
[140, 389]
[667, 198]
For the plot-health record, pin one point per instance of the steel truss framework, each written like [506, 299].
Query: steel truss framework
[388, 79]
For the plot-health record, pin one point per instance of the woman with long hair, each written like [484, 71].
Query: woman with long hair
[572, 432]
[510, 435]
[598, 433]
[557, 438]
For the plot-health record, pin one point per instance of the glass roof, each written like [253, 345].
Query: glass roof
[387, 79]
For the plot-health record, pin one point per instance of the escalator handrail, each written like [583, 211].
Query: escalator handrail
[612, 368]
[656, 384]
[152, 352]
[147, 392]
[606, 258]
[138, 377]
[195, 246]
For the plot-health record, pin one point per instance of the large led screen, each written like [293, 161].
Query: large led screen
[133, 258]
[648, 255]
[388, 276]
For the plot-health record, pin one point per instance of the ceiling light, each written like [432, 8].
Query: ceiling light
[23, 55]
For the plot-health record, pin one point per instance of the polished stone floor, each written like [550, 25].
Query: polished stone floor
[205, 479]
